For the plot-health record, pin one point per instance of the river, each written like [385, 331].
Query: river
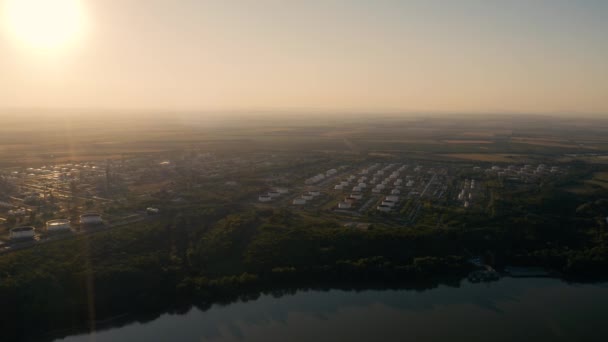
[524, 309]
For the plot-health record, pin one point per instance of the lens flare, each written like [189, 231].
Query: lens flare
[45, 24]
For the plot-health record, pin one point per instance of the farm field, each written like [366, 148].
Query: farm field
[488, 157]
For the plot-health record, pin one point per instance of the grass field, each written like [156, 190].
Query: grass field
[599, 181]
[49, 139]
[468, 141]
[549, 142]
[488, 157]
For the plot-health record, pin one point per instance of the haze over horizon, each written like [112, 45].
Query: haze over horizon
[394, 56]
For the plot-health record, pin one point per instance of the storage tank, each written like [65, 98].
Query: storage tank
[152, 211]
[274, 194]
[60, 225]
[22, 233]
[383, 208]
[357, 196]
[388, 203]
[90, 219]
[344, 205]
[299, 201]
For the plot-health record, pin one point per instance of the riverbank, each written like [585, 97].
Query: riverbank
[458, 310]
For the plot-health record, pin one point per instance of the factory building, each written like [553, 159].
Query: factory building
[21, 233]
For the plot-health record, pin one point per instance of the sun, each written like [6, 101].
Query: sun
[44, 24]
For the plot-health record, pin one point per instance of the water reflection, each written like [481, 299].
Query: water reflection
[539, 309]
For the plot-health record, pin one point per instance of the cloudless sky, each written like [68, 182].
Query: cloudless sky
[452, 56]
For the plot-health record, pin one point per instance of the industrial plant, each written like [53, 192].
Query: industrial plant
[59, 200]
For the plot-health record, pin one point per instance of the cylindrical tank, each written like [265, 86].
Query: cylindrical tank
[60, 225]
[299, 201]
[90, 219]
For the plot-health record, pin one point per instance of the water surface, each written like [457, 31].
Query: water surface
[530, 309]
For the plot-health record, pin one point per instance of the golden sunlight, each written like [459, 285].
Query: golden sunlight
[44, 24]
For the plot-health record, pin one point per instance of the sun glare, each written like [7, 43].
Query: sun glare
[44, 24]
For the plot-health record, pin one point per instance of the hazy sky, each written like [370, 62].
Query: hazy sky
[480, 56]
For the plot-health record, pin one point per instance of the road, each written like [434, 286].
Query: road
[428, 184]
[62, 193]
